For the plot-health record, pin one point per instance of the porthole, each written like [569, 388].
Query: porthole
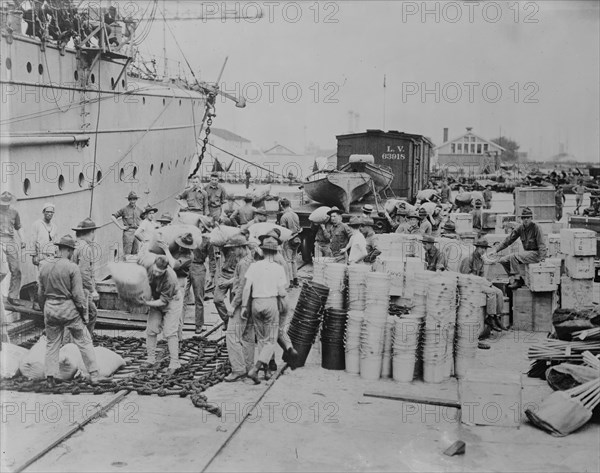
[170, 164]
[122, 174]
[8, 63]
[177, 163]
[76, 75]
[93, 79]
[112, 82]
[164, 101]
[29, 68]
[41, 69]
[81, 179]
[116, 254]
[151, 169]
[134, 171]
[98, 177]
[26, 186]
[180, 102]
[162, 165]
[61, 182]
[144, 100]
[123, 83]
[184, 160]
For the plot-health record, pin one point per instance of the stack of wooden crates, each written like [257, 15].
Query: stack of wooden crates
[579, 248]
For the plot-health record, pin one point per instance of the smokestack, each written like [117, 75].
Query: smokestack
[445, 135]
[350, 121]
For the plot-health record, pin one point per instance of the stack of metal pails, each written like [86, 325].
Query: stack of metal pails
[319, 265]
[388, 338]
[334, 321]
[439, 327]
[357, 288]
[406, 336]
[305, 324]
[373, 329]
[469, 318]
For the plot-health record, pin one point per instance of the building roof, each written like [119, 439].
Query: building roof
[280, 149]
[470, 133]
[228, 135]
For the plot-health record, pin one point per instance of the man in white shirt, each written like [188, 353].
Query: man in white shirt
[356, 249]
[265, 292]
[44, 235]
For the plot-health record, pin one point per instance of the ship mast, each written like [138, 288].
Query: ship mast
[165, 65]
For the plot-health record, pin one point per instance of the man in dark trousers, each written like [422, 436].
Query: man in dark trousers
[291, 221]
[340, 234]
[10, 223]
[216, 195]
[559, 202]
[84, 257]
[434, 258]
[61, 297]
[533, 240]
[130, 215]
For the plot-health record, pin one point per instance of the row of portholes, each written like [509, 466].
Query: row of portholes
[30, 68]
[82, 181]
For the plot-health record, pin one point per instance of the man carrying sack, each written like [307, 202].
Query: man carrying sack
[62, 300]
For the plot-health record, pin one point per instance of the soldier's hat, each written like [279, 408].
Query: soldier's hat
[422, 213]
[186, 241]
[248, 198]
[355, 222]
[147, 210]
[275, 233]
[526, 212]
[449, 225]
[269, 246]
[67, 241]
[132, 195]
[84, 225]
[482, 242]
[428, 239]
[334, 210]
[165, 217]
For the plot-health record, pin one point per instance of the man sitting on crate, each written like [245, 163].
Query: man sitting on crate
[532, 238]
[474, 264]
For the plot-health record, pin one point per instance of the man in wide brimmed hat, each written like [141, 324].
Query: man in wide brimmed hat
[340, 234]
[165, 219]
[10, 223]
[475, 265]
[85, 257]
[449, 230]
[164, 316]
[147, 226]
[425, 228]
[356, 249]
[534, 246]
[216, 195]
[435, 260]
[366, 228]
[264, 299]
[44, 234]
[130, 216]
[61, 297]
[412, 225]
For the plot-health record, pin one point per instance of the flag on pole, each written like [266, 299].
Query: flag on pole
[384, 81]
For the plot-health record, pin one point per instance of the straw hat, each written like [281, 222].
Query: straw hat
[368, 208]
[402, 211]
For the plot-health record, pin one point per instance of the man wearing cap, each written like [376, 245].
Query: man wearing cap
[474, 264]
[245, 213]
[367, 210]
[356, 249]
[533, 240]
[61, 297]
[264, 297]
[487, 196]
[412, 225]
[43, 236]
[130, 216]
[366, 228]
[425, 227]
[10, 223]
[216, 195]
[147, 226]
[340, 233]
[449, 230]
[434, 258]
[85, 258]
[233, 252]
[164, 316]
[477, 214]
[291, 221]
[403, 218]
[196, 197]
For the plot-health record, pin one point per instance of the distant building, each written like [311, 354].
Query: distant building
[217, 157]
[468, 154]
[282, 161]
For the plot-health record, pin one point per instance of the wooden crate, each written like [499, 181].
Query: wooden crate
[541, 277]
[553, 244]
[490, 397]
[576, 293]
[580, 267]
[558, 267]
[522, 309]
[544, 305]
[489, 219]
[539, 199]
[578, 242]
[494, 272]
[502, 221]
[463, 222]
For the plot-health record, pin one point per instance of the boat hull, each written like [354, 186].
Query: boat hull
[84, 146]
[338, 189]
[382, 176]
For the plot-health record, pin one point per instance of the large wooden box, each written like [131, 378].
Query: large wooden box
[532, 311]
[576, 293]
[463, 222]
[490, 397]
[580, 267]
[541, 277]
[489, 219]
[578, 242]
[539, 199]
[553, 245]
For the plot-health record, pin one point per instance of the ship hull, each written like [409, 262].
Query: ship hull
[338, 189]
[84, 138]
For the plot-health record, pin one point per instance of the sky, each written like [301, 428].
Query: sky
[529, 71]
